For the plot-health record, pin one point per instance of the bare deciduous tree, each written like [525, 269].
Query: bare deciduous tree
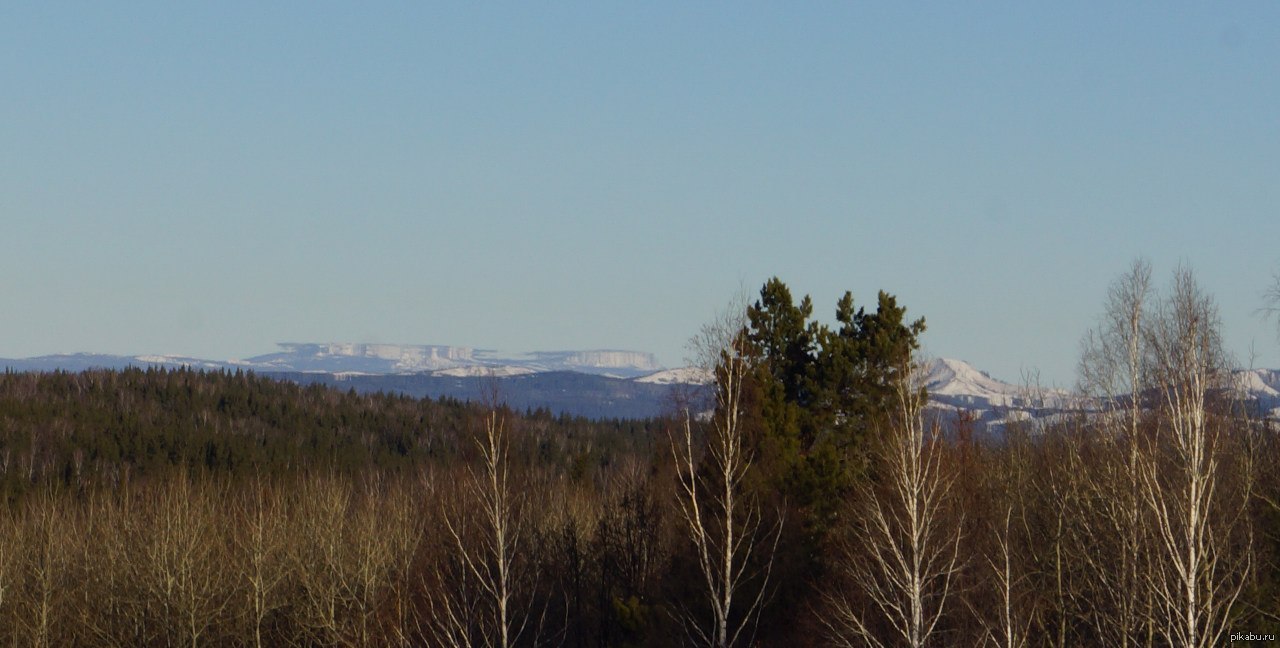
[733, 547]
[260, 546]
[1005, 593]
[182, 558]
[479, 601]
[319, 515]
[343, 562]
[1012, 626]
[905, 549]
[1198, 576]
[403, 510]
[1112, 374]
[112, 603]
[46, 540]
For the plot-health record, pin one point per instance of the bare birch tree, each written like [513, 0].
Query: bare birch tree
[319, 514]
[343, 563]
[733, 546]
[261, 558]
[403, 506]
[479, 602]
[1012, 626]
[1199, 576]
[113, 604]
[1007, 594]
[1112, 374]
[46, 541]
[182, 560]
[905, 550]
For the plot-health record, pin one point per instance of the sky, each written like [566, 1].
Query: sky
[208, 179]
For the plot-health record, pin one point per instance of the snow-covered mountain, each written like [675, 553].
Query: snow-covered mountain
[956, 387]
[1263, 387]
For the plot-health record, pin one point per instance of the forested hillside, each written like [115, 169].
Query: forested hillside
[104, 428]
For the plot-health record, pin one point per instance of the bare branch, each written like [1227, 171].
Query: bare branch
[906, 550]
[723, 522]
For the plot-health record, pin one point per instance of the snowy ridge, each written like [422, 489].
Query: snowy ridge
[1261, 386]
[176, 361]
[680, 376]
[1260, 383]
[483, 371]
[956, 387]
[958, 383]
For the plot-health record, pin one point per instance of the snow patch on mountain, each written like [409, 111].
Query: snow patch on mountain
[483, 371]
[176, 361]
[1262, 386]
[1260, 383]
[680, 376]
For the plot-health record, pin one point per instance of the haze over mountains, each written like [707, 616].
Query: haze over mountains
[601, 383]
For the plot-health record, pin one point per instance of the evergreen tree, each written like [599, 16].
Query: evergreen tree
[857, 366]
[822, 390]
[817, 394]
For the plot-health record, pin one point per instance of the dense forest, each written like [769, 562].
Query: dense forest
[814, 502]
[105, 428]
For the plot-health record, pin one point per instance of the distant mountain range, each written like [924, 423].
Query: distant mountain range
[379, 359]
[604, 383]
[601, 383]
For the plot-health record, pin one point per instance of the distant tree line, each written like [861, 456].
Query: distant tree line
[812, 502]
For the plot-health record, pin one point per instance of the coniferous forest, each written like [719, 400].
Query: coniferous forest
[811, 499]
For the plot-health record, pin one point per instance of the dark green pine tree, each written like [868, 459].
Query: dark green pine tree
[784, 338]
[820, 393]
[857, 366]
[783, 342]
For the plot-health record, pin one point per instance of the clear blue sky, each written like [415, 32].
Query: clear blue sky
[209, 180]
